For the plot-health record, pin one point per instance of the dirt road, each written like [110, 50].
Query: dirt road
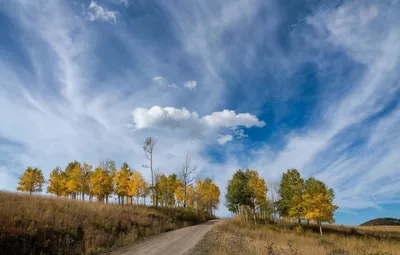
[177, 242]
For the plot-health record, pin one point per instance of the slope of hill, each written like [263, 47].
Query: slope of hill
[44, 225]
[382, 222]
[236, 236]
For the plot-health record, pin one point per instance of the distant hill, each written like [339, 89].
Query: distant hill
[382, 222]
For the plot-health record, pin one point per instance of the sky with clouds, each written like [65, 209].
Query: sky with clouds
[261, 84]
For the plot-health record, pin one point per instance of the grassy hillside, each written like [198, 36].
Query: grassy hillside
[42, 225]
[382, 222]
[236, 237]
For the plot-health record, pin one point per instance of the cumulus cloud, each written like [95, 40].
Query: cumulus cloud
[98, 12]
[170, 117]
[162, 117]
[224, 139]
[190, 85]
[228, 118]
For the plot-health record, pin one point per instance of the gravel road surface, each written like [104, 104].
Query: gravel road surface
[178, 242]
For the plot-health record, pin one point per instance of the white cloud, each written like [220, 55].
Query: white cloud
[170, 117]
[224, 139]
[75, 115]
[227, 118]
[157, 78]
[98, 12]
[328, 150]
[190, 85]
[162, 117]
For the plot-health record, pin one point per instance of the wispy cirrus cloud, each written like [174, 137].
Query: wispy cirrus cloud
[324, 80]
[72, 98]
[338, 149]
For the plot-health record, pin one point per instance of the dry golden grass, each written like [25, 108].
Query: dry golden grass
[380, 228]
[43, 225]
[235, 237]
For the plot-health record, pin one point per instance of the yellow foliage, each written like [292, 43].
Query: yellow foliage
[179, 194]
[75, 179]
[207, 195]
[257, 187]
[31, 181]
[121, 180]
[85, 184]
[137, 186]
[78, 180]
[319, 208]
[190, 196]
[297, 210]
[57, 183]
[101, 183]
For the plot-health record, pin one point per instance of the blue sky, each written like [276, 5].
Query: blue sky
[261, 84]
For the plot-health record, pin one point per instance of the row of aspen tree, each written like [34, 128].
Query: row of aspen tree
[296, 198]
[81, 181]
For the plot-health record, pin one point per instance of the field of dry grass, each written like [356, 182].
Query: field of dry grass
[43, 225]
[394, 229]
[235, 237]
